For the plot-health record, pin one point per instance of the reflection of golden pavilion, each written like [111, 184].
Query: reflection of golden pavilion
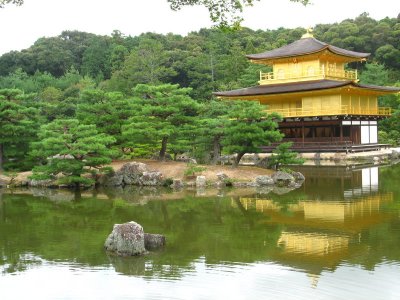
[312, 243]
[328, 211]
[353, 205]
[318, 234]
[350, 217]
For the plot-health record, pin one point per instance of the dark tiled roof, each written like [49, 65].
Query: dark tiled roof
[378, 87]
[270, 89]
[305, 46]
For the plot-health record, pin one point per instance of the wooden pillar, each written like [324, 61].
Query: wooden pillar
[341, 131]
[302, 132]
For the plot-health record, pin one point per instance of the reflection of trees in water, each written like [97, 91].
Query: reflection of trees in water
[76, 230]
[212, 229]
[2, 213]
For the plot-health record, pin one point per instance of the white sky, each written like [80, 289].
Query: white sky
[20, 27]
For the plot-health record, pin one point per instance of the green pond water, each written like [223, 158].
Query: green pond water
[336, 237]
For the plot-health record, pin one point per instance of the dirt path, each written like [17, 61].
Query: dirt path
[175, 169]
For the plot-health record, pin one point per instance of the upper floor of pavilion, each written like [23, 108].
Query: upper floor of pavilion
[307, 59]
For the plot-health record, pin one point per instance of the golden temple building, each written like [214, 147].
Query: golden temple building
[323, 105]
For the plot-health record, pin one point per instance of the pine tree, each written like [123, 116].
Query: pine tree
[18, 123]
[282, 155]
[108, 111]
[161, 111]
[68, 150]
[211, 129]
[249, 128]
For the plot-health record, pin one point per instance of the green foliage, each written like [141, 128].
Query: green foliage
[160, 112]
[374, 74]
[167, 182]
[251, 75]
[55, 55]
[207, 61]
[108, 111]
[390, 138]
[390, 132]
[225, 13]
[18, 122]
[389, 55]
[192, 169]
[68, 150]
[282, 155]
[51, 94]
[148, 63]
[210, 130]
[118, 56]
[249, 128]
[50, 74]
[96, 60]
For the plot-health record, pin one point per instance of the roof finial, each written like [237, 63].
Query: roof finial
[308, 34]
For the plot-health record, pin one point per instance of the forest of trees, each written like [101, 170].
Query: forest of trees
[153, 93]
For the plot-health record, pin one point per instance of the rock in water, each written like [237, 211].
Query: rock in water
[282, 178]
[153, 241]
[126, 239]
[151, 178]
[264, 180]
[298, 176]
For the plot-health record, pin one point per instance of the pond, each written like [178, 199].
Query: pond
[336, 237]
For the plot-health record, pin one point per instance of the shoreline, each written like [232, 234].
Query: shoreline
[241, 176]
[169, 169]
[378, 157]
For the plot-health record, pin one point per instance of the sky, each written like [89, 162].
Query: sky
[21, 26]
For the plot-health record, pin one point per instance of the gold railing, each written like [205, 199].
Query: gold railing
[320, 73]
[331, 111]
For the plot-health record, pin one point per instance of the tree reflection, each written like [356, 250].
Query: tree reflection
[314, 228]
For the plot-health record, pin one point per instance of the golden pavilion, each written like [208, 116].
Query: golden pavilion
[323, 105]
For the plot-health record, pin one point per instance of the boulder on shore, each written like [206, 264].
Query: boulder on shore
[151, 178]
[42, 183]
[222, 176]
[264, 180]
[177, 183]
[282, 178]
[201, 181]
[298, 177]
[134, 173]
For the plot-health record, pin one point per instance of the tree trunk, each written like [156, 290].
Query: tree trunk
[163, 148]
[77, 192]
[238, 158]
[1, 157]
[216, 150]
